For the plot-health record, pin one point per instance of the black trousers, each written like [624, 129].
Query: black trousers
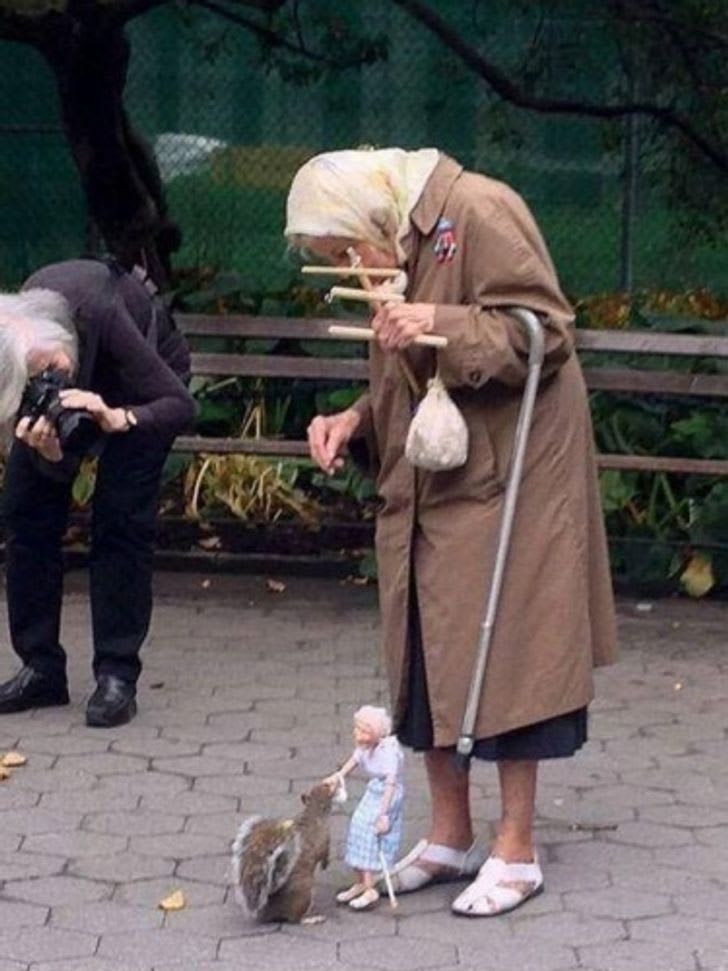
[124, 513]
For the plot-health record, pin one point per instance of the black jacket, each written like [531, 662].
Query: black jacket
[118, 357]
[130, 352]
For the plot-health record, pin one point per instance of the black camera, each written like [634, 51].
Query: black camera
[78, 433]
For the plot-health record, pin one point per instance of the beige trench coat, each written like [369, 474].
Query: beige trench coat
[556, 617]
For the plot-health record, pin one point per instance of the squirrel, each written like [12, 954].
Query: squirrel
[274, 860]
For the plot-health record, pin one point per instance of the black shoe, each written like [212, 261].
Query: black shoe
[113, 702]
[32, 689]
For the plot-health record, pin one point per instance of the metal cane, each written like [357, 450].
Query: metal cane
[387, 876]
[532, 324]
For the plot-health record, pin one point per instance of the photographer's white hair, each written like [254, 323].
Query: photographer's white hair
[376, 718]
[31, 320]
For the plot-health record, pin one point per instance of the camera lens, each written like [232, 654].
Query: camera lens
[77, 431]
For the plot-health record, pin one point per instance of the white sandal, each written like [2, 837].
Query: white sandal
[355, 890]
[499, 888]
[365, 900]
[408, 876]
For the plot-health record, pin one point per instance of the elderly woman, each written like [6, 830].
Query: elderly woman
[471, 249]
[100, 332]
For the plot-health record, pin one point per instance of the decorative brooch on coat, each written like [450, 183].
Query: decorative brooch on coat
[445, 243]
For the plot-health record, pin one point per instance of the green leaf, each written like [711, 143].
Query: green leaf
[328, 402]
[617, 488]
[368, 565]
[176, 465]
[259, 345]
[84, 484]
[703, 434]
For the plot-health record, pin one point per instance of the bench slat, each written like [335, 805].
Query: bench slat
[273, 328]
[656, 463]
[316, 328]
[240, 446]
[280, 366]
[656, 382]
[290, 448]
[644, 342]
[350, 369]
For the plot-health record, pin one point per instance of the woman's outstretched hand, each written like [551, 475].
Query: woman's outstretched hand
[328, 436]
[397, 324]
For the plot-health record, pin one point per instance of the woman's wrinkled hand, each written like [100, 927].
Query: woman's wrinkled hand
[41, 436]
[328, 436]
[398, 324]
[109, 419]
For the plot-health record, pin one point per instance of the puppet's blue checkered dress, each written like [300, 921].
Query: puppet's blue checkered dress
[383, 764]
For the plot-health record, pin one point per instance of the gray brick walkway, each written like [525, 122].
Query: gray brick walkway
[247, 696]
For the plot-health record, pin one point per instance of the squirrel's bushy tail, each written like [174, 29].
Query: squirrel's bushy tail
[263, 856]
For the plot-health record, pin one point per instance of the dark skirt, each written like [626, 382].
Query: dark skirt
[554, 738]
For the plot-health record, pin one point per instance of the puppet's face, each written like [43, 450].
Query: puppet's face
[365, 734]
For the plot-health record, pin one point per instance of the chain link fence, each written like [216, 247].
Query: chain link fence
[228, 135]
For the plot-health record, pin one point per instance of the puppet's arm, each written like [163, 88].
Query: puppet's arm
[336, 778]
[383, 822]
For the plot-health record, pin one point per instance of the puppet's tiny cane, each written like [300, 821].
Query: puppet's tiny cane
[532, 324]
[387, 877]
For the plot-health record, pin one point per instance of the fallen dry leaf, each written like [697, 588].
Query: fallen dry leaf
[697, 578]
[274, 586]
[13, 759]
[175, 901]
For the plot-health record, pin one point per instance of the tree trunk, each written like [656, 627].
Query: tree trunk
[118, 171]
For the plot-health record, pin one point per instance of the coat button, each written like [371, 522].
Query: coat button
[475, 377]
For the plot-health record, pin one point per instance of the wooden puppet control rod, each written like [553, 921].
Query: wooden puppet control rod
[364, 296]
[368, 294]
[367, 334]
[370, 271]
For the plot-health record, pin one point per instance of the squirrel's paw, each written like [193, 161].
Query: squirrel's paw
[313, 919]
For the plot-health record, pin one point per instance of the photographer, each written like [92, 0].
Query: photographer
[90, 363]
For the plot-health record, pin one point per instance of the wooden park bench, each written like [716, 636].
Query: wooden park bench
[332, 548]
[653, 380]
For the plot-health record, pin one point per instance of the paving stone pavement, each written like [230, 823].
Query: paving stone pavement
[247, 696]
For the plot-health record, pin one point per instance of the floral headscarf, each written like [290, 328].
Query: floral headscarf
[365, 195]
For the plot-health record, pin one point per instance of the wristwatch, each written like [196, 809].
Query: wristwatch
[130, 418]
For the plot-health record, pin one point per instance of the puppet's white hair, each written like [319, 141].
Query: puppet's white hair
[30, 320]
[376, 718]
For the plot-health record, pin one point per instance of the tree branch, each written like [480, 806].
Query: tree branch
[26, 30]
[273, 37]
[689, 42]
[657, 14]
[510, 92]
[125, 10]
[128, 9]
[269, 36]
